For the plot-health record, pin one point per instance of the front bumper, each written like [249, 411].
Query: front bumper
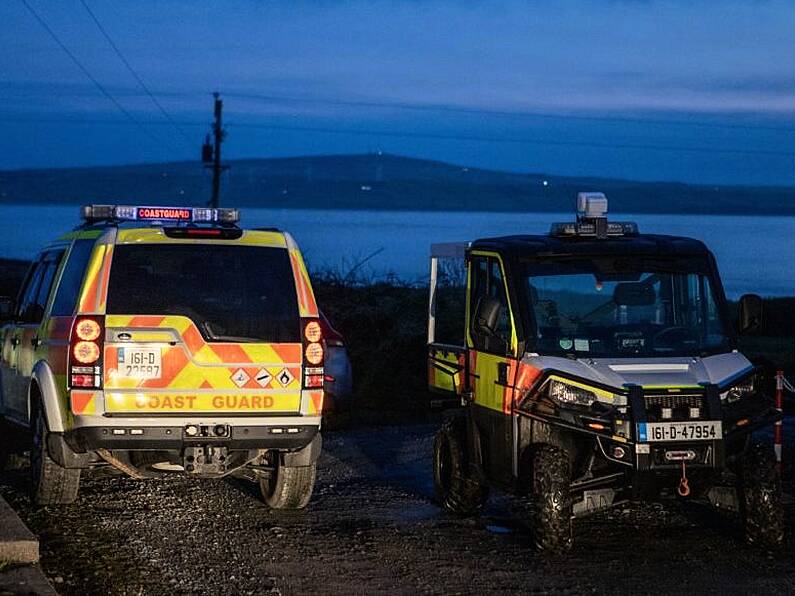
[739, 420]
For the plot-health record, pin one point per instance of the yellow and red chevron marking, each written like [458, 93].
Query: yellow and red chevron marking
[306, 299]
[83, 402]
[197, 363]
[104, 276]
[89, 296]
[313, 403]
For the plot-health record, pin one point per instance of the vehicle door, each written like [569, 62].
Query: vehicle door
[491, 342]
[30, 328]
[14, 400]
[205, 327]
[447, 325]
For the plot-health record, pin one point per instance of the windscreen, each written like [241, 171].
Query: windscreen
[618, 307]
[232, 293]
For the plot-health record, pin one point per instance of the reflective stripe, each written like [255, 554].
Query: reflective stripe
[88, 295]
[188, 401]
[312, 404]
[83, 402]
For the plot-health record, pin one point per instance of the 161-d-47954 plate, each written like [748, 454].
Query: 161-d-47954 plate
[680, 431]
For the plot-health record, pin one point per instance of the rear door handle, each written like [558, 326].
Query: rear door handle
[502, 373]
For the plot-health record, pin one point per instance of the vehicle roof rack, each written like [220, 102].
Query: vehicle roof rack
[592, 220]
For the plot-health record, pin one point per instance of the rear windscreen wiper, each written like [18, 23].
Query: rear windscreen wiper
[207, 327]
[236, 339]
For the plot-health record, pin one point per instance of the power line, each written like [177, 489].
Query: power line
[506, 113]
[435, 136]
[484, 112]
[525, 141]
[134, 73]
[85, 71]
[56, 120]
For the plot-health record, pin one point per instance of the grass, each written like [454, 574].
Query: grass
[384, 328]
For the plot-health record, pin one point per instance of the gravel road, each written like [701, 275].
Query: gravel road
[372, 527]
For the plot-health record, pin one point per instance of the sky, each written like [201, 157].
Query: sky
[693, 91]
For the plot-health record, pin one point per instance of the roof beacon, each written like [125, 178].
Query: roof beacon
[113, 213]
[592, 220]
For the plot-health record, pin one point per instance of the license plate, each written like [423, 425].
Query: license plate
[140, 363]
[679, 431]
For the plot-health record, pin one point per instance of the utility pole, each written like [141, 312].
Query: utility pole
[211, 153]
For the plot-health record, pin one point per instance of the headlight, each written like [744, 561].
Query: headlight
[740, 390]
[566, 394]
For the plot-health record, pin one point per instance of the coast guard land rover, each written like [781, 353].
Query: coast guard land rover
[159, 339]
[597, 365]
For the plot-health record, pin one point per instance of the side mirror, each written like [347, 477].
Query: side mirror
[750, 319]
[6, 308]
[487, 315]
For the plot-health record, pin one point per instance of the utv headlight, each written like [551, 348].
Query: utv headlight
[740, 391]
[567, 395]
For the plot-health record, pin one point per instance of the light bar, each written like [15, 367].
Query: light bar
[592, 220]
[94, 213]
[614, 228]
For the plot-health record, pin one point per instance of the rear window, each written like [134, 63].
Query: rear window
[232, 293]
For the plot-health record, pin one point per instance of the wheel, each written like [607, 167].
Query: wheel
[552, 511]
[761, 506]
[457, 488]
[50, 483]
[289, 487]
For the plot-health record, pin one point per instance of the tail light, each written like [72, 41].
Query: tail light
[85, 352]
[314, 354]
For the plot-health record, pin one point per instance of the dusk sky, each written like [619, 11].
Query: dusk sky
[691, 91]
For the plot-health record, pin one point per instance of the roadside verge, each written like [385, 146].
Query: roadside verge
[20, 572]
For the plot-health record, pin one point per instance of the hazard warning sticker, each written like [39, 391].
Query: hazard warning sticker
[285, 377]
[240, 377]
[263, 377]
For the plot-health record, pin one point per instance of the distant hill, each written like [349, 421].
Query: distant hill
[376, 181]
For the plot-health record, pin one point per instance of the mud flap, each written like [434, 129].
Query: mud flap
[306, 456]
[62, 454]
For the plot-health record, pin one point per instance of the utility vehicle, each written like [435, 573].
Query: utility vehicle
[592, 366]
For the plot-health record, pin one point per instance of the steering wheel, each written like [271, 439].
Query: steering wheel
[675, 335]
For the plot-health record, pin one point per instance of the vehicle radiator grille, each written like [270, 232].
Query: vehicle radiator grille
[667, 408]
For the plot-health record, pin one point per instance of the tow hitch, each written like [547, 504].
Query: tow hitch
[205, 460]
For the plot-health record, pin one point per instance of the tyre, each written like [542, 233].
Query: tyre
[50, 483]
[457, 488]
[289, 487]
[552, 503]
[761, 506]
